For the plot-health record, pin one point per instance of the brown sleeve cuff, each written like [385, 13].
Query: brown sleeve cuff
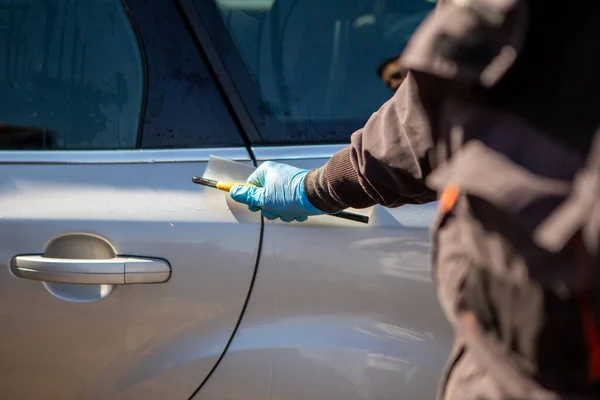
[336, 186]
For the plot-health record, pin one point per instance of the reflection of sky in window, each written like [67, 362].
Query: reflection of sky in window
[247, 4]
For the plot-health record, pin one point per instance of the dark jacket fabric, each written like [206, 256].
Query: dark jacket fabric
[502, 101]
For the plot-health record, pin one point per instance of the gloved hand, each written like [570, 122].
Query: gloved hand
[279, 193]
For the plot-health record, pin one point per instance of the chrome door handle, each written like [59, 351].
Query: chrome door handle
[112, 271]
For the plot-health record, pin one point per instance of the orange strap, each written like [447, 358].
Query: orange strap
[448, 198]
[592, 337]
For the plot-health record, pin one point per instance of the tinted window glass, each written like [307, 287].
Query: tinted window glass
[184, 107]
[71, 75]
[307, 69]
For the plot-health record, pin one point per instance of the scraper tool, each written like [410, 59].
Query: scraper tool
[226, 187]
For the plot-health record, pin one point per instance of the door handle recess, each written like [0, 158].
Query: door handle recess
[112, 271]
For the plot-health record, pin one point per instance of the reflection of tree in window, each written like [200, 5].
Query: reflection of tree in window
[72, 68]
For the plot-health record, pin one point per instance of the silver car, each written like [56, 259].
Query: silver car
[121, 279]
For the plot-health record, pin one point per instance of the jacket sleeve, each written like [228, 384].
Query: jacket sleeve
[386, 162]
[460, 47]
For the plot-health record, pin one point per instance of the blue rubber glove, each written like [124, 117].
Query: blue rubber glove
[279, 193]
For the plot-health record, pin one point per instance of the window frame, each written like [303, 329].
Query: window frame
[226, 60]
[243, 92]
[143, 56]
[241, 110]
[207, 68]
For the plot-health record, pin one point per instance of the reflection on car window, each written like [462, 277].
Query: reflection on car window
[184, 108]
[313, 62]
[71, 75]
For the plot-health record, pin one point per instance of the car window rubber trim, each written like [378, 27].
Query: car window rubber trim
[142, 47]
[242, 313]
[220, 74]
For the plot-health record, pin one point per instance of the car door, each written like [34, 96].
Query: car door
[339, 309]
[120, 278]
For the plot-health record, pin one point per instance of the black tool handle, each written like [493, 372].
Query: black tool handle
[352, 216]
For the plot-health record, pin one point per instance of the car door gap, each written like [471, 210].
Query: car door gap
[242, 313]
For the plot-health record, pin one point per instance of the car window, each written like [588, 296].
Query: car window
[88, 75]
[307, 69]
[71, 75]
[184, 107]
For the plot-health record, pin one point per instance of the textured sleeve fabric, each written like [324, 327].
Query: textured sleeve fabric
[386, 162]
[459, 48]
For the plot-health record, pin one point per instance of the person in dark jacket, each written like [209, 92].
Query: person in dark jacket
[392, 73]
[495, 119]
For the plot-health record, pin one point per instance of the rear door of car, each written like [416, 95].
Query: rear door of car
[340, 309]
[121, 279]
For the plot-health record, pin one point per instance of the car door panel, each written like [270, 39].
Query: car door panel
[339, 310]
[150, 341]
